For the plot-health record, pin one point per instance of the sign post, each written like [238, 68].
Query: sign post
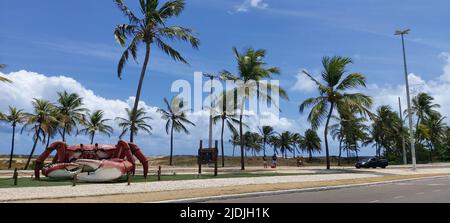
[207, 156]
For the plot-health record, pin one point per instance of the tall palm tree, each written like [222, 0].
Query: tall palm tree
[140, 123]
[151, 28]
[96, 123]
[4, 79]
[70, 112]
[251, 70]
[176, 120]
[266, 132]
[423, 107]
[310, 143]
[333, 94]
[42, 116]
[15, 116]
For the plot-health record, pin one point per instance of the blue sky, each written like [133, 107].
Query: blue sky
[75, 39]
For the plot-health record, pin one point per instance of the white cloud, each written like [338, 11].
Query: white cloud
[438, 88]
[303, 83]
[28, 85]
[258, 4]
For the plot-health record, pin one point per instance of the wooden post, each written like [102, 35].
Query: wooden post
[128, 178]
[15, 176]
[159, 173]
[199, 159]
[216, 154]
[74, 183]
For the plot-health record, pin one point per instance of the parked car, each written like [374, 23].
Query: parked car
[372, 163]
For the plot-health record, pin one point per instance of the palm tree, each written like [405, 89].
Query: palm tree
[3, 79]
[436, 130]
[140, 123]
[385, 130]
[230, 120]
[333, 94]
[285, 143]
[15, 116]
[423, 108]
[70, 112]
[42, 116]
[96, 123]
[266, 132]
[176, 120]
[234, 140]
[296, 137]
[251, 69]
[151, 29]
[311, 143]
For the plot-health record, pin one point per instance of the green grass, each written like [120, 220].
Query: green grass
[28, 182]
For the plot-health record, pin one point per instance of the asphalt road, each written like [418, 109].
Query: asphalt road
[436, 190]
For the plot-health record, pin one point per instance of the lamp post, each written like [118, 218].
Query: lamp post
[405, 161]
[408, 100]
[211, 78]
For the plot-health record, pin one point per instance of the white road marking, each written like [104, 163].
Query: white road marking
[435, 184]
[375, 201]
[436, 190]
[398, 197]
[420, 193]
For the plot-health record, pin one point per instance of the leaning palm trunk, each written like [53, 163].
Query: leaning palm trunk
[12, 146]
[327, 152]
[38, 131]
[138, 92]
[310, 155]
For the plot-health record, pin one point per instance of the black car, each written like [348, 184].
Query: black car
[372, 162]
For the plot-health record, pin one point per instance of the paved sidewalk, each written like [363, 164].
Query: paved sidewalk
[24, 193]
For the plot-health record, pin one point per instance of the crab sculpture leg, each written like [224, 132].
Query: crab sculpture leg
[104, 170]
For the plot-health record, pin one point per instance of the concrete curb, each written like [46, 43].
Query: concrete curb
[268, 193]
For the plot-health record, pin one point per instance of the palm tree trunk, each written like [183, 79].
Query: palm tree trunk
[12, 145]
[38, 131]
[340, 152]
[264, 148]
[171, 145]
[234, 147]
[64, 133]
[221, 142]
[242, 141]
[138, 92]
[310, 155]
[48, 142]
[92, 138]
[327, 151]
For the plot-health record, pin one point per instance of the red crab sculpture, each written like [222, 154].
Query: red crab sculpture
[92, 163]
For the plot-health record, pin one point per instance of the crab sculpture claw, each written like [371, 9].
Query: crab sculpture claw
[62, 170]
[103, 170]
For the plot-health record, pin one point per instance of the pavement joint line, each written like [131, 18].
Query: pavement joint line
[278, 192]
[398, 197]
[420, 193]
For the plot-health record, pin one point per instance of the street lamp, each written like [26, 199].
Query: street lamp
[408, 100]
[211, 77]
